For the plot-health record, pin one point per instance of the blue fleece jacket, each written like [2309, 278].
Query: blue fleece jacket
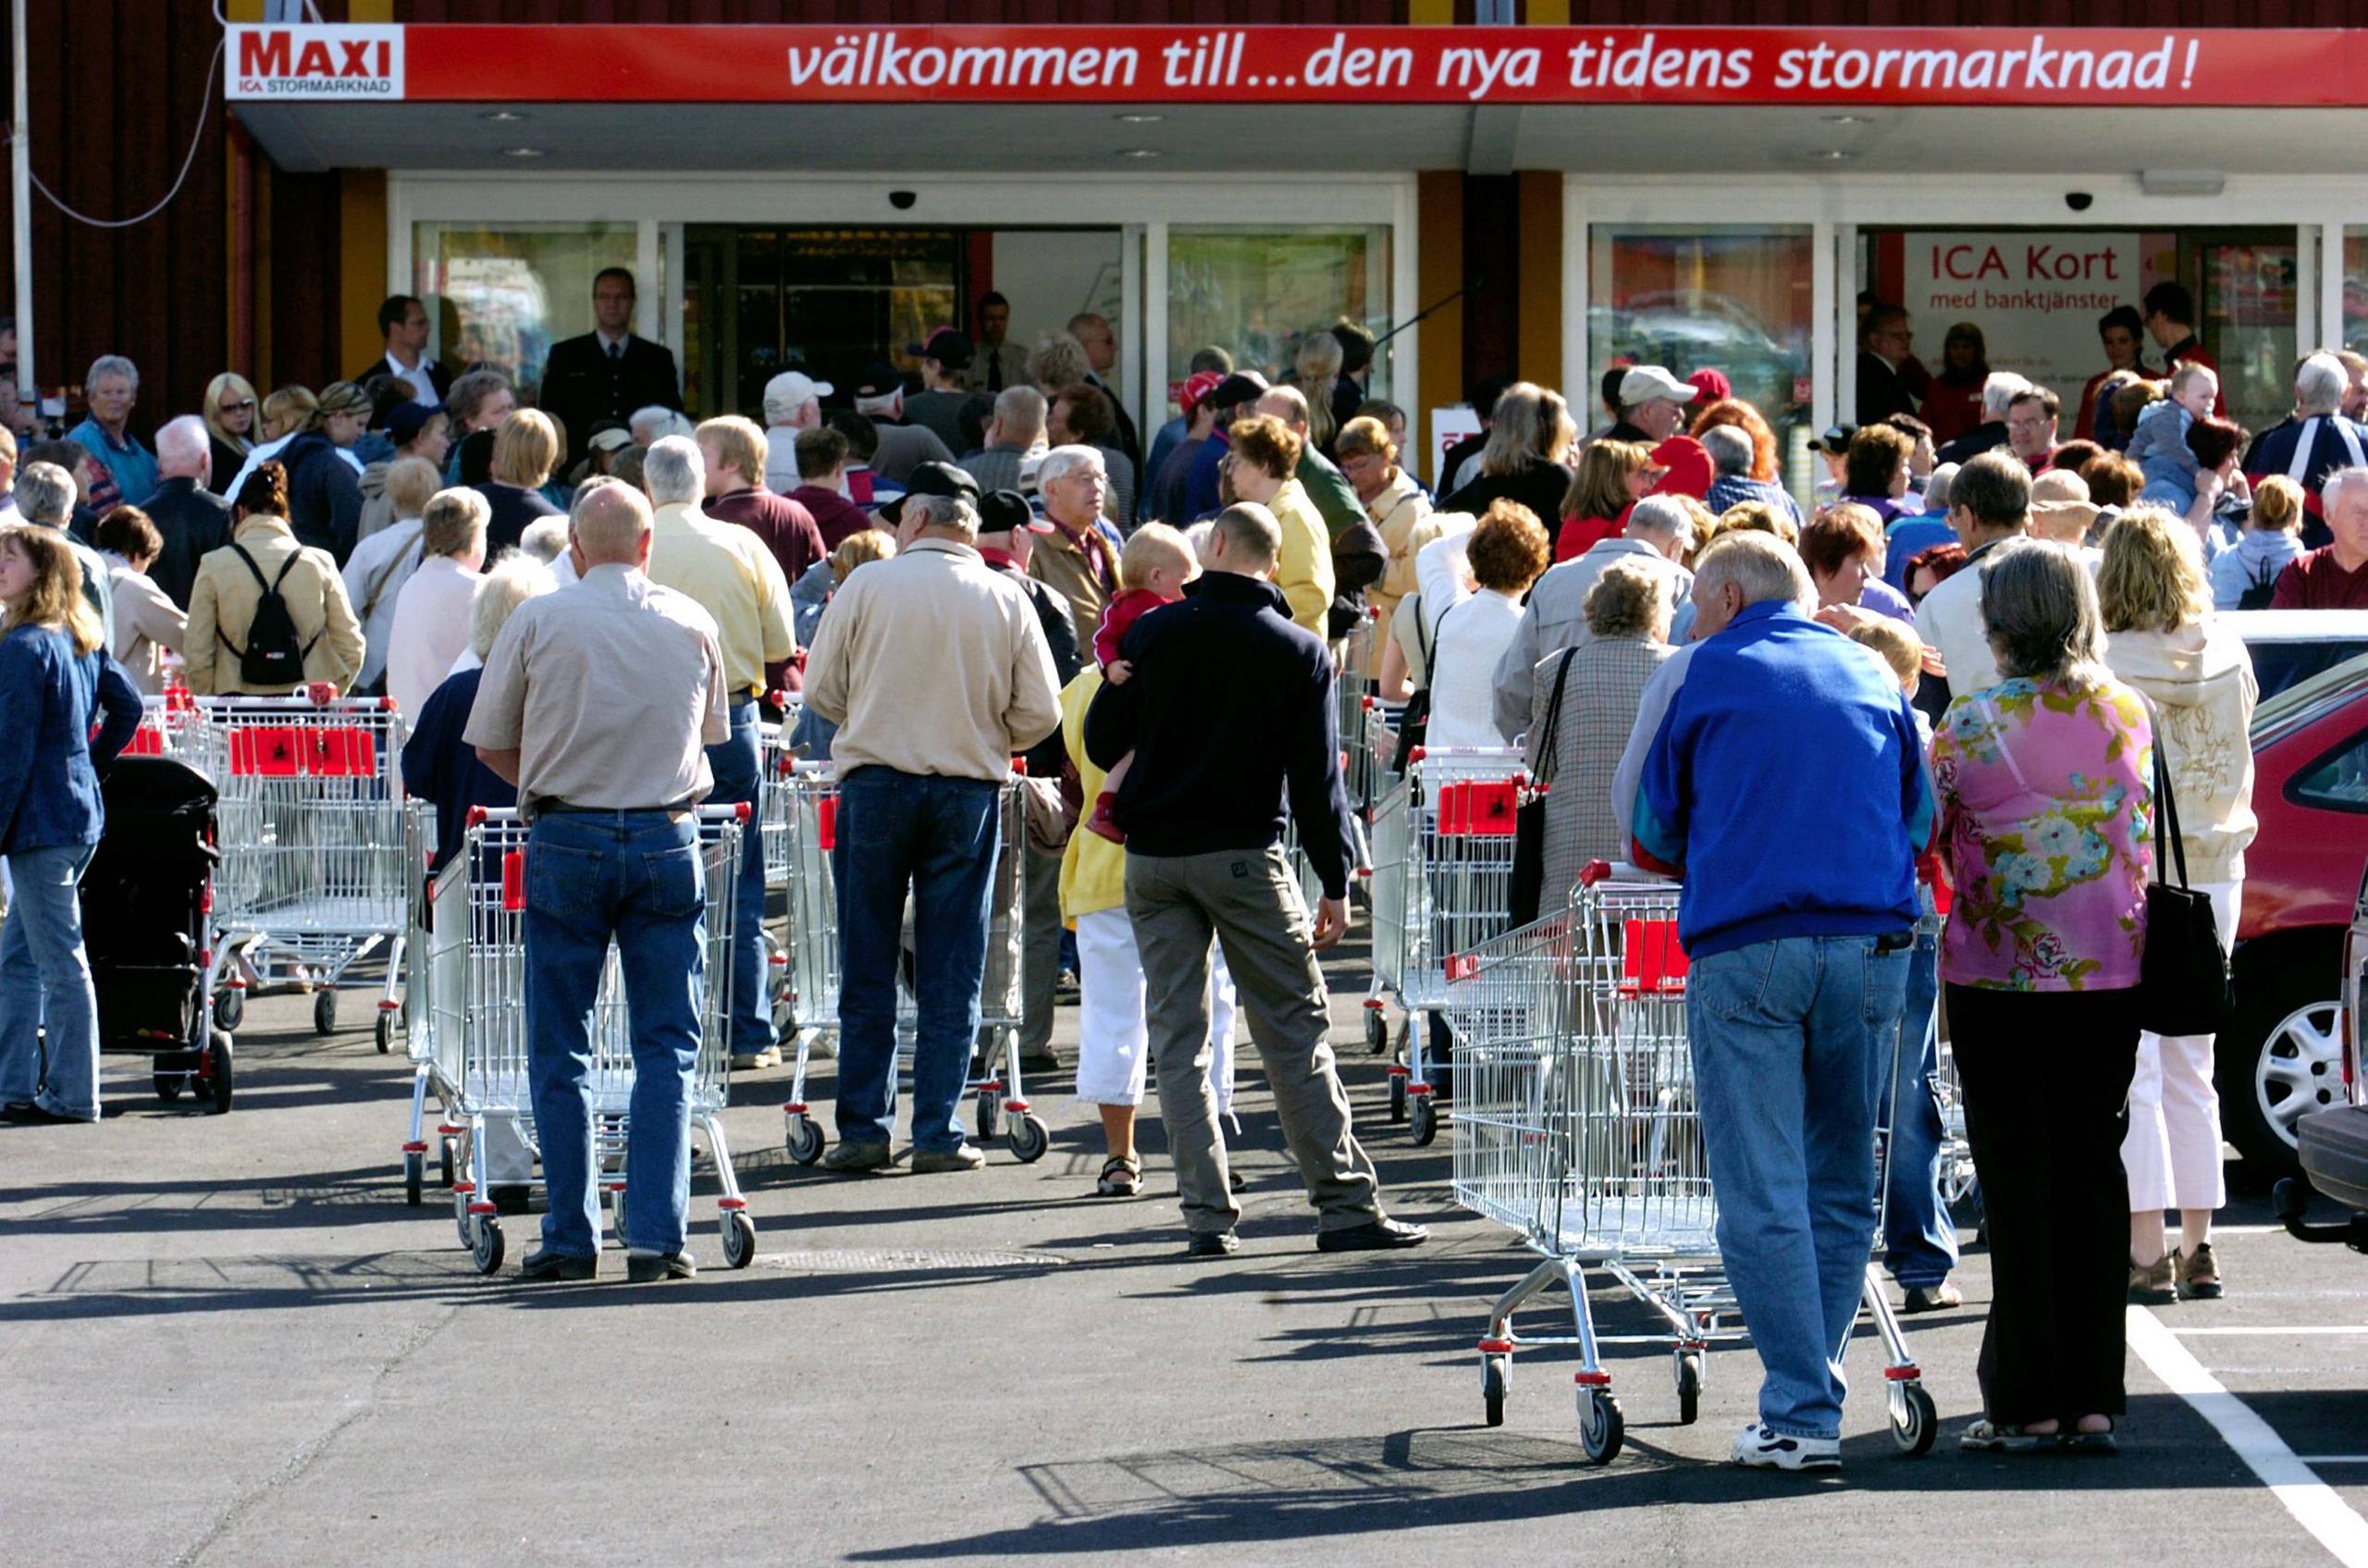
[1784, 780]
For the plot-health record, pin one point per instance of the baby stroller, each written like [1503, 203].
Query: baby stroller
[145, 903]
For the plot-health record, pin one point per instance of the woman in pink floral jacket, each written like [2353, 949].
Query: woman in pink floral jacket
[2045, 799]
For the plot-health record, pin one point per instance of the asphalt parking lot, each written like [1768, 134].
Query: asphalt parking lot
[229, 1340]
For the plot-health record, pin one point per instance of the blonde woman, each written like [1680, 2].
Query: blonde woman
[1398, 509]
[231, 410]
[383, 563]
[525, 448]
[1316, 373]
[1612, 477]
[1530, 437]
[430, 629]
[2195, 673]
[55, 679]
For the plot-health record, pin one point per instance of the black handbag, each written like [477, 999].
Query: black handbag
[2184, 987]
[1415, 722]
[1529, 817]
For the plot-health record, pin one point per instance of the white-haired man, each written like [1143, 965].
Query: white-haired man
[1658, 533]
[1732, 458]
[1652, 405]
[1776, 751]
[191, 518]
[1079, 558]
[46, 498]
[128, 469]
[727, 571]
[597, 704]
[2334, 576]
[1998, 394]
[2314, 440]
[793, 402]
[934, 668]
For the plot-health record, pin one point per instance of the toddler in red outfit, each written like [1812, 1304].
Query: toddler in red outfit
[1153, 570]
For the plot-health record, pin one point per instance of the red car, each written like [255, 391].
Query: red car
[2282, 1057]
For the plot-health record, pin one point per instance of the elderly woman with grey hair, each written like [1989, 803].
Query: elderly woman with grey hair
[2046, 796]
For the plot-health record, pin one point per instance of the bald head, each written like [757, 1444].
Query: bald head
[612, 527]
[1288, 404]
[185, 450]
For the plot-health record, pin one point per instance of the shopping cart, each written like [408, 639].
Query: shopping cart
[813, 1005]
[419, 1017]
[315, 872]
[168, 726]
[1577, 1128]
[476, 923]
[1441, 883]
[1351, 691]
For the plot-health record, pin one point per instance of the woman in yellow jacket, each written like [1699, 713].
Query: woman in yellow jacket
[1266, 451]
[1114, 1039]
[222, 600]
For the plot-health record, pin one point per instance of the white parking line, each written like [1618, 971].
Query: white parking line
[2205, 1333]
[2315, 1505]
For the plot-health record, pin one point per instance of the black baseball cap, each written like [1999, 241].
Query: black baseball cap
[1002, 511]
[946, 346]
[879, 379]
[1242, 387]
[933, 479]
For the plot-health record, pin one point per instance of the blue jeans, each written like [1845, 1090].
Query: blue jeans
[1789, 1038]
[1919, 1239]
[738, 778]
[936, 836]
[46, 985]
[634, 878]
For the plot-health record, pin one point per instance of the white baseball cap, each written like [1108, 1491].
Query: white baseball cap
[1648, 383]
[793, 389]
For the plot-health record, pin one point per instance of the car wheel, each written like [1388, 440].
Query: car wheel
[2281, 1057]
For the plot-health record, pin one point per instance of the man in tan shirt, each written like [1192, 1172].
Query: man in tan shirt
[934, 669]
[727, 569]
[598, 702]
[1079, 558]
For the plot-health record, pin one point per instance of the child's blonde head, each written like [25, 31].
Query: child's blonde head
[1153, 546]
[1896, 643]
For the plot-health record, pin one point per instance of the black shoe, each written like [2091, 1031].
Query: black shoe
[1235, 1179]
[1374, 1236]
[544, 1264]
[1930, 1298]
[512, 1198]
[648, 1268]
[25, 1113]
[1211, 1244]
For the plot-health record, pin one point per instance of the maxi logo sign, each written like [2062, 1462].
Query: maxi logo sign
[312, 63]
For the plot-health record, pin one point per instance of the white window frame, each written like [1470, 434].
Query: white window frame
[1144, 207]
[1835, 206]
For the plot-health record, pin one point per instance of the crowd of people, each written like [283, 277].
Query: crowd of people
[1907, 741]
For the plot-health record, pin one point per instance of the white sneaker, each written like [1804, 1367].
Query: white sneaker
[1757, 1447]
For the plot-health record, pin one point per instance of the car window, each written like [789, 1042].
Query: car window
[2337, 781]
[2280, 665]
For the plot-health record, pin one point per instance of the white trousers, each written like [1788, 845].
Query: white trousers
[1113, 1041]
[2172, 1151]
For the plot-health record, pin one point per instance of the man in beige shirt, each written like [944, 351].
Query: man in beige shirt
[734, 577]
[1080, 557]
[599, 703]
[934, 669]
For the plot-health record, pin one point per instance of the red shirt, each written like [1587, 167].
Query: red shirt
[1118, 617]
[834, 514]
[1580, 534]
[2317, 581]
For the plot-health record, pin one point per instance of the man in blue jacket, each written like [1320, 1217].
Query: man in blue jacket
[1776, 764]
[1229, 717]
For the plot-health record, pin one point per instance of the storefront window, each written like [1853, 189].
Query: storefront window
[502, 296]
[1256, 292]
[1692, 297]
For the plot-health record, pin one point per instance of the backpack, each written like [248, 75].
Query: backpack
[273, 657]
[2263, 588]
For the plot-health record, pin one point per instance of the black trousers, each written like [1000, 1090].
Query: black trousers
[2046, 1081]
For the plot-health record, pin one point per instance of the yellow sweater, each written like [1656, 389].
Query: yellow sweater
[1093, 870]
[1304, 570]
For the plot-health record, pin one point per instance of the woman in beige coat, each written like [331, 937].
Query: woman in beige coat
[2162, 640]
[222, 601]
[1398, 509]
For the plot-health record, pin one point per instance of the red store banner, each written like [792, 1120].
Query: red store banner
[2098, 68]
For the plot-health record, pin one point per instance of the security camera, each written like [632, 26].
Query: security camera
[2079, 201]
[903, 200]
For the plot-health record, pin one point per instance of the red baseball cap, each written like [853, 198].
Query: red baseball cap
[1195, 386]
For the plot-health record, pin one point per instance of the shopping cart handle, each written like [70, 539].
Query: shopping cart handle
[1594, 872]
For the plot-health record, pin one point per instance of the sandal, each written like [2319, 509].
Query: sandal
[1986, 1436]
[1120, 1177]
[2089, 1442]
[2197, 1272]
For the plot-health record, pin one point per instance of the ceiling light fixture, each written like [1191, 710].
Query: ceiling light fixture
[522, 152]
[502, 116]
[1139, 119]
[1140, 153]
[1847, 119]
[1834, 155]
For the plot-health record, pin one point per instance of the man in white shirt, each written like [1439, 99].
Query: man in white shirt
[402, 321]
[1989, 506]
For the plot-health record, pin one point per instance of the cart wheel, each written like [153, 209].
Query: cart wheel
[1376, 1032]
[219, 1057]
[230, 1008]
[1601, 1428]
[169, 1085]
[1496, 1371]
[739, 1238]
[385, 1032]
[325, 1012]
[444, 1160]
[415, 1178]
[990, 1117]
[463, 1222]
[1689, 1387]
[1029, 1139]
[1423, 1113]
[805, 1140]
[1396, 1099]
[1914, 1422]
[485, 1246]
